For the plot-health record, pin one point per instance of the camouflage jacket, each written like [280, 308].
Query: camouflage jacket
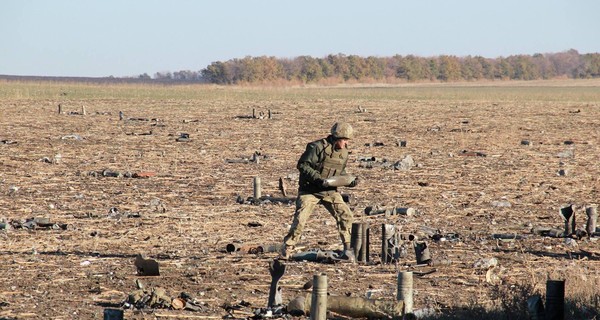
[320, 161]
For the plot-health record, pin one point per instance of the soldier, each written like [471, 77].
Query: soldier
[323, 159]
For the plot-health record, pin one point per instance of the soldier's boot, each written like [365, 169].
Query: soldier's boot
[348, 253]
[286, 252]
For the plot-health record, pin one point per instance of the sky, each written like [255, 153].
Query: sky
[122, 38]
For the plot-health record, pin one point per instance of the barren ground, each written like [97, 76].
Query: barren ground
[187, 213]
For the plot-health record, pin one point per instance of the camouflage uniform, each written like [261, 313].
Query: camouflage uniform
[318, 162]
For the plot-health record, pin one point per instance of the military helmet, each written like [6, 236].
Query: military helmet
[342, 130]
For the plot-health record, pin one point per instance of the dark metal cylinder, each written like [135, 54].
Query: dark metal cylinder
[113, 314]
[318, 306]
[535, 308]
[555, 300]
[363, 254]
[359, 241]
[269, 248]
[422, 253]
[592, 214]
[568, 214]
[356, 238]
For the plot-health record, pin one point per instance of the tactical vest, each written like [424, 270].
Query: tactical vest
[333, 162]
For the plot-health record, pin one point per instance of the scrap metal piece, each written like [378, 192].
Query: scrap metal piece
[354, 307]
[318, 256]
[422, 253]
[113, 314]
[390, 244]
[592, 213]
[568, 215]
[277, 270]
[282, 187]
[269, 248]
[146, 267]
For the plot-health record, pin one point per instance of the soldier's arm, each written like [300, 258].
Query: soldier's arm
[308, 163]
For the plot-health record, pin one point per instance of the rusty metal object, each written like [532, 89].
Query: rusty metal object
[269, 248]
[353, 307]
[177, 303]
[235, 247]
[276, 270]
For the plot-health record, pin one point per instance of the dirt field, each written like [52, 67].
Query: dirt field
[52, 165]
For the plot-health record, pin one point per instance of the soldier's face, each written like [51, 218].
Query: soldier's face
[341, 144]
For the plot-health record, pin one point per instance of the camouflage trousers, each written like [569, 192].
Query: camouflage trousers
[305, 205]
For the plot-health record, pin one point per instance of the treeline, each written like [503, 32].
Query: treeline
[352, 68]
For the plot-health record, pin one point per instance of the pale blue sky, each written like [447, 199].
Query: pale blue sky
[130, 37]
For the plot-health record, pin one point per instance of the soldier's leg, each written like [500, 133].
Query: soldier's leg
[343, 216]
[305, 205]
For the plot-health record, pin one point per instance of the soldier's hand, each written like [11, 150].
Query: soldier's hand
[353, 183]
[322, 182]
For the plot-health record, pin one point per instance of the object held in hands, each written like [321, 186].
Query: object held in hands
[338, 181]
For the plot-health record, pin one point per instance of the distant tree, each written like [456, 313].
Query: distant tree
[310, 69]
[523, 68]
[163, 76]
[356, 67]
[565, 63]
[544, 66]
[327, 68]
[271, 68]
[449, 67]
[144, 76]
[391, 66]
[471, 68]
[292, 69]
[216, 73]
[503, 69]
[412, 68]
[434, 69]
[375, 67]
[487, 67]
[341, 66]
[185, 75]
[590, 66]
